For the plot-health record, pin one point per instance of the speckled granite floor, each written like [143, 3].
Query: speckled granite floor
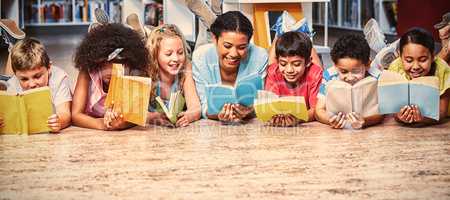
[212, 161]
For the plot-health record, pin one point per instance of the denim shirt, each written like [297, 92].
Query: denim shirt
[206, 70]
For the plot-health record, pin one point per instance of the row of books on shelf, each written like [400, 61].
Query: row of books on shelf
[66, 12]
[351, 10]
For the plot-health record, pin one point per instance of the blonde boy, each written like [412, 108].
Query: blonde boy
[32, 69]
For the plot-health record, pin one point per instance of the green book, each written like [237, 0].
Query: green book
[175, 107]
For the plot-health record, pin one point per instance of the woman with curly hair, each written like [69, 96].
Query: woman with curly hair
[170, 71]
[101, 47]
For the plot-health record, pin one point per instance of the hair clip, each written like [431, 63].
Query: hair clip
[114, 54]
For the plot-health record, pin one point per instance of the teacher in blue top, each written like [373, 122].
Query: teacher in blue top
[229, 58]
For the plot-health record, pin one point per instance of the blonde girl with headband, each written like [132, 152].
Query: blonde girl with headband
[171, 71]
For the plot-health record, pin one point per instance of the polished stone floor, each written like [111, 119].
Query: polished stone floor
[208, 160]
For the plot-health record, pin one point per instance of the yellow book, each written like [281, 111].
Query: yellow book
[27, 112]
[129, 95]
[175, 107]
[269, 104]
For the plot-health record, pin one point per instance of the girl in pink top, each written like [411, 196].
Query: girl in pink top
[103, 46]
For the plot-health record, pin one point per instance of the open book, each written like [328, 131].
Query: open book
[360, 97]
[244, 93]
[129, 95]
[395, 91]
[269, 104]
[27, 112]
[176, 106]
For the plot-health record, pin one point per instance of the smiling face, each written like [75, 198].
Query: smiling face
[416, 59]
[292, 68]
[232, 47]
[33, 78]
[350, 70]
[171, 56]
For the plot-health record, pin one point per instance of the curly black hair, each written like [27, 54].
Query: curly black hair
[351, 46]
[102, 40]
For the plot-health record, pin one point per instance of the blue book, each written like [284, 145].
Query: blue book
[395, 91]
[244, 93]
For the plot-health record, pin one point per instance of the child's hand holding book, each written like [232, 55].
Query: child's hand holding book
[409, 114]
[283, 120]
[54, 123]
[350, 120]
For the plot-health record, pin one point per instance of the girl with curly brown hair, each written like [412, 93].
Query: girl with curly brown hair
[102, 46]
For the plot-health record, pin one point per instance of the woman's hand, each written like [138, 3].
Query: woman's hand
[227, 114]
[337, 121]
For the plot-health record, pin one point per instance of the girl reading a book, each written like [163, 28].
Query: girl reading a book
[294, 74]
[102, 46]
[228, 60]
[417, 59]
[170, 71]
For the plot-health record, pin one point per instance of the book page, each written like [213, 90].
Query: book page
[176, 106]
[39, 107]
[389, 78]
[247, 87]
[11, 113]
[365, 97]
[217, 96]
[338, 97]
[424, 92]
[135, 99]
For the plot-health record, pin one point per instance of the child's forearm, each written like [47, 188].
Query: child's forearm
[372, 120]
[86, 121]
[322, 116]
[311, 116]
[65, 119]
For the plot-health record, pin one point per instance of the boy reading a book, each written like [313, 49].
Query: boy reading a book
[350, 55]
[417, 60]
[32, 69]
[293, 74]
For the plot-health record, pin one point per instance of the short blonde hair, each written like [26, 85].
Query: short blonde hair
[27, 54]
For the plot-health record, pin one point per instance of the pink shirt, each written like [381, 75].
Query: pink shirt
[308, 85]
[95, 106]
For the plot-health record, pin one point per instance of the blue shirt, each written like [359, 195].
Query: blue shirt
[332, 74]
[206, 70]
